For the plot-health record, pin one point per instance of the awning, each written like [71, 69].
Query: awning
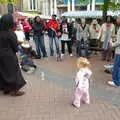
[90, 14]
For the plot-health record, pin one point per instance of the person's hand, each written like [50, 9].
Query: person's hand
[114, 36]
[111, 45]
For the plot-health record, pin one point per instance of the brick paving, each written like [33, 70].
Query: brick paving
[51, 99]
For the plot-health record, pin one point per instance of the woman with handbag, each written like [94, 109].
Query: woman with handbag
[94, 32]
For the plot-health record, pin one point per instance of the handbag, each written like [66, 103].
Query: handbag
[51, 33]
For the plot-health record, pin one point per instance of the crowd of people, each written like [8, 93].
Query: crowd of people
[86, 36]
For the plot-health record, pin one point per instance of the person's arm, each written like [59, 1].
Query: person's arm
[100, 32]
[113, 31]
[117, 43]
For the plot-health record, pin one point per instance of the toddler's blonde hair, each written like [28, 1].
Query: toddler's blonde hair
[83, 62]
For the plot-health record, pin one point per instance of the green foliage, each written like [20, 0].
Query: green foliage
[10, 1]
[107, 5]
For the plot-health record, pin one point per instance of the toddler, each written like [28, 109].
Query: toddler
[82, 82]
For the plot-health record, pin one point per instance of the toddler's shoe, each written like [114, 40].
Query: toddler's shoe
[76, 106]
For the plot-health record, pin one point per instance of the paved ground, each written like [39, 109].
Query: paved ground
[51, 99]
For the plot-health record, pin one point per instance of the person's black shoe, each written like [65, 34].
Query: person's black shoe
[6, 92]
[45, 56]
[37, 57]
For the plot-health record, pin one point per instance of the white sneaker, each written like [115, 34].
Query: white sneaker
[111, 83]
[71, 55]
[31, 70]
[62, 55]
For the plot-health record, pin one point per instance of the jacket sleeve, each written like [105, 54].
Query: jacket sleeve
[117, 43]
[100, 32]
[13, 41]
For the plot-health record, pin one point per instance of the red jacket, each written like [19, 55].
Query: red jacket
[53, 24]
[26, 26]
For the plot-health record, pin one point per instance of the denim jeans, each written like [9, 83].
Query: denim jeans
[82, 48]
[55, 39]
[40, 45]
[116, 70]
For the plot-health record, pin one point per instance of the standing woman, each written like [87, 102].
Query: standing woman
[38, 35]
[11, 79]
[107, 33]
[66, 37]
[94, 30]
[82, 42]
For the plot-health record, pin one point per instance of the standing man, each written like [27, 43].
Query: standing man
[38, 35]
[53, 27]
[116, 69]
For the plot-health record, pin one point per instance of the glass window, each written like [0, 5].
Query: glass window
[32, 5]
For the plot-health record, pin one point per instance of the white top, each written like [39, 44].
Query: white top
[25, 44]
[20, 35]
[82, 78]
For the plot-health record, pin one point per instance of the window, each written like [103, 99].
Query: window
[32, 5]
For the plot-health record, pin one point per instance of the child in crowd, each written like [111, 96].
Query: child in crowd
[82, 82]
[27, 63]
[26, 52]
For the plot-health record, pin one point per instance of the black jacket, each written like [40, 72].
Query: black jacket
[11, 78]
[69, 27]
[38, 28]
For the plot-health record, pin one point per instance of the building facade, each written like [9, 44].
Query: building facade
[49, 7]
[45, 7]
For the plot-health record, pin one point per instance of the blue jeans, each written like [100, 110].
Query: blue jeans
[56, 45]
[116, 70]
[40, 45]
[82, 48]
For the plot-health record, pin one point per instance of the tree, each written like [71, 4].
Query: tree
[107, 5]
[10, 4]
[10, 1]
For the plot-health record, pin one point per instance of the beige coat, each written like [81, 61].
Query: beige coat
[94, 32]
[102, 33]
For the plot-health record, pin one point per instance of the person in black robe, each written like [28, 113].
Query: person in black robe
[11, 79]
